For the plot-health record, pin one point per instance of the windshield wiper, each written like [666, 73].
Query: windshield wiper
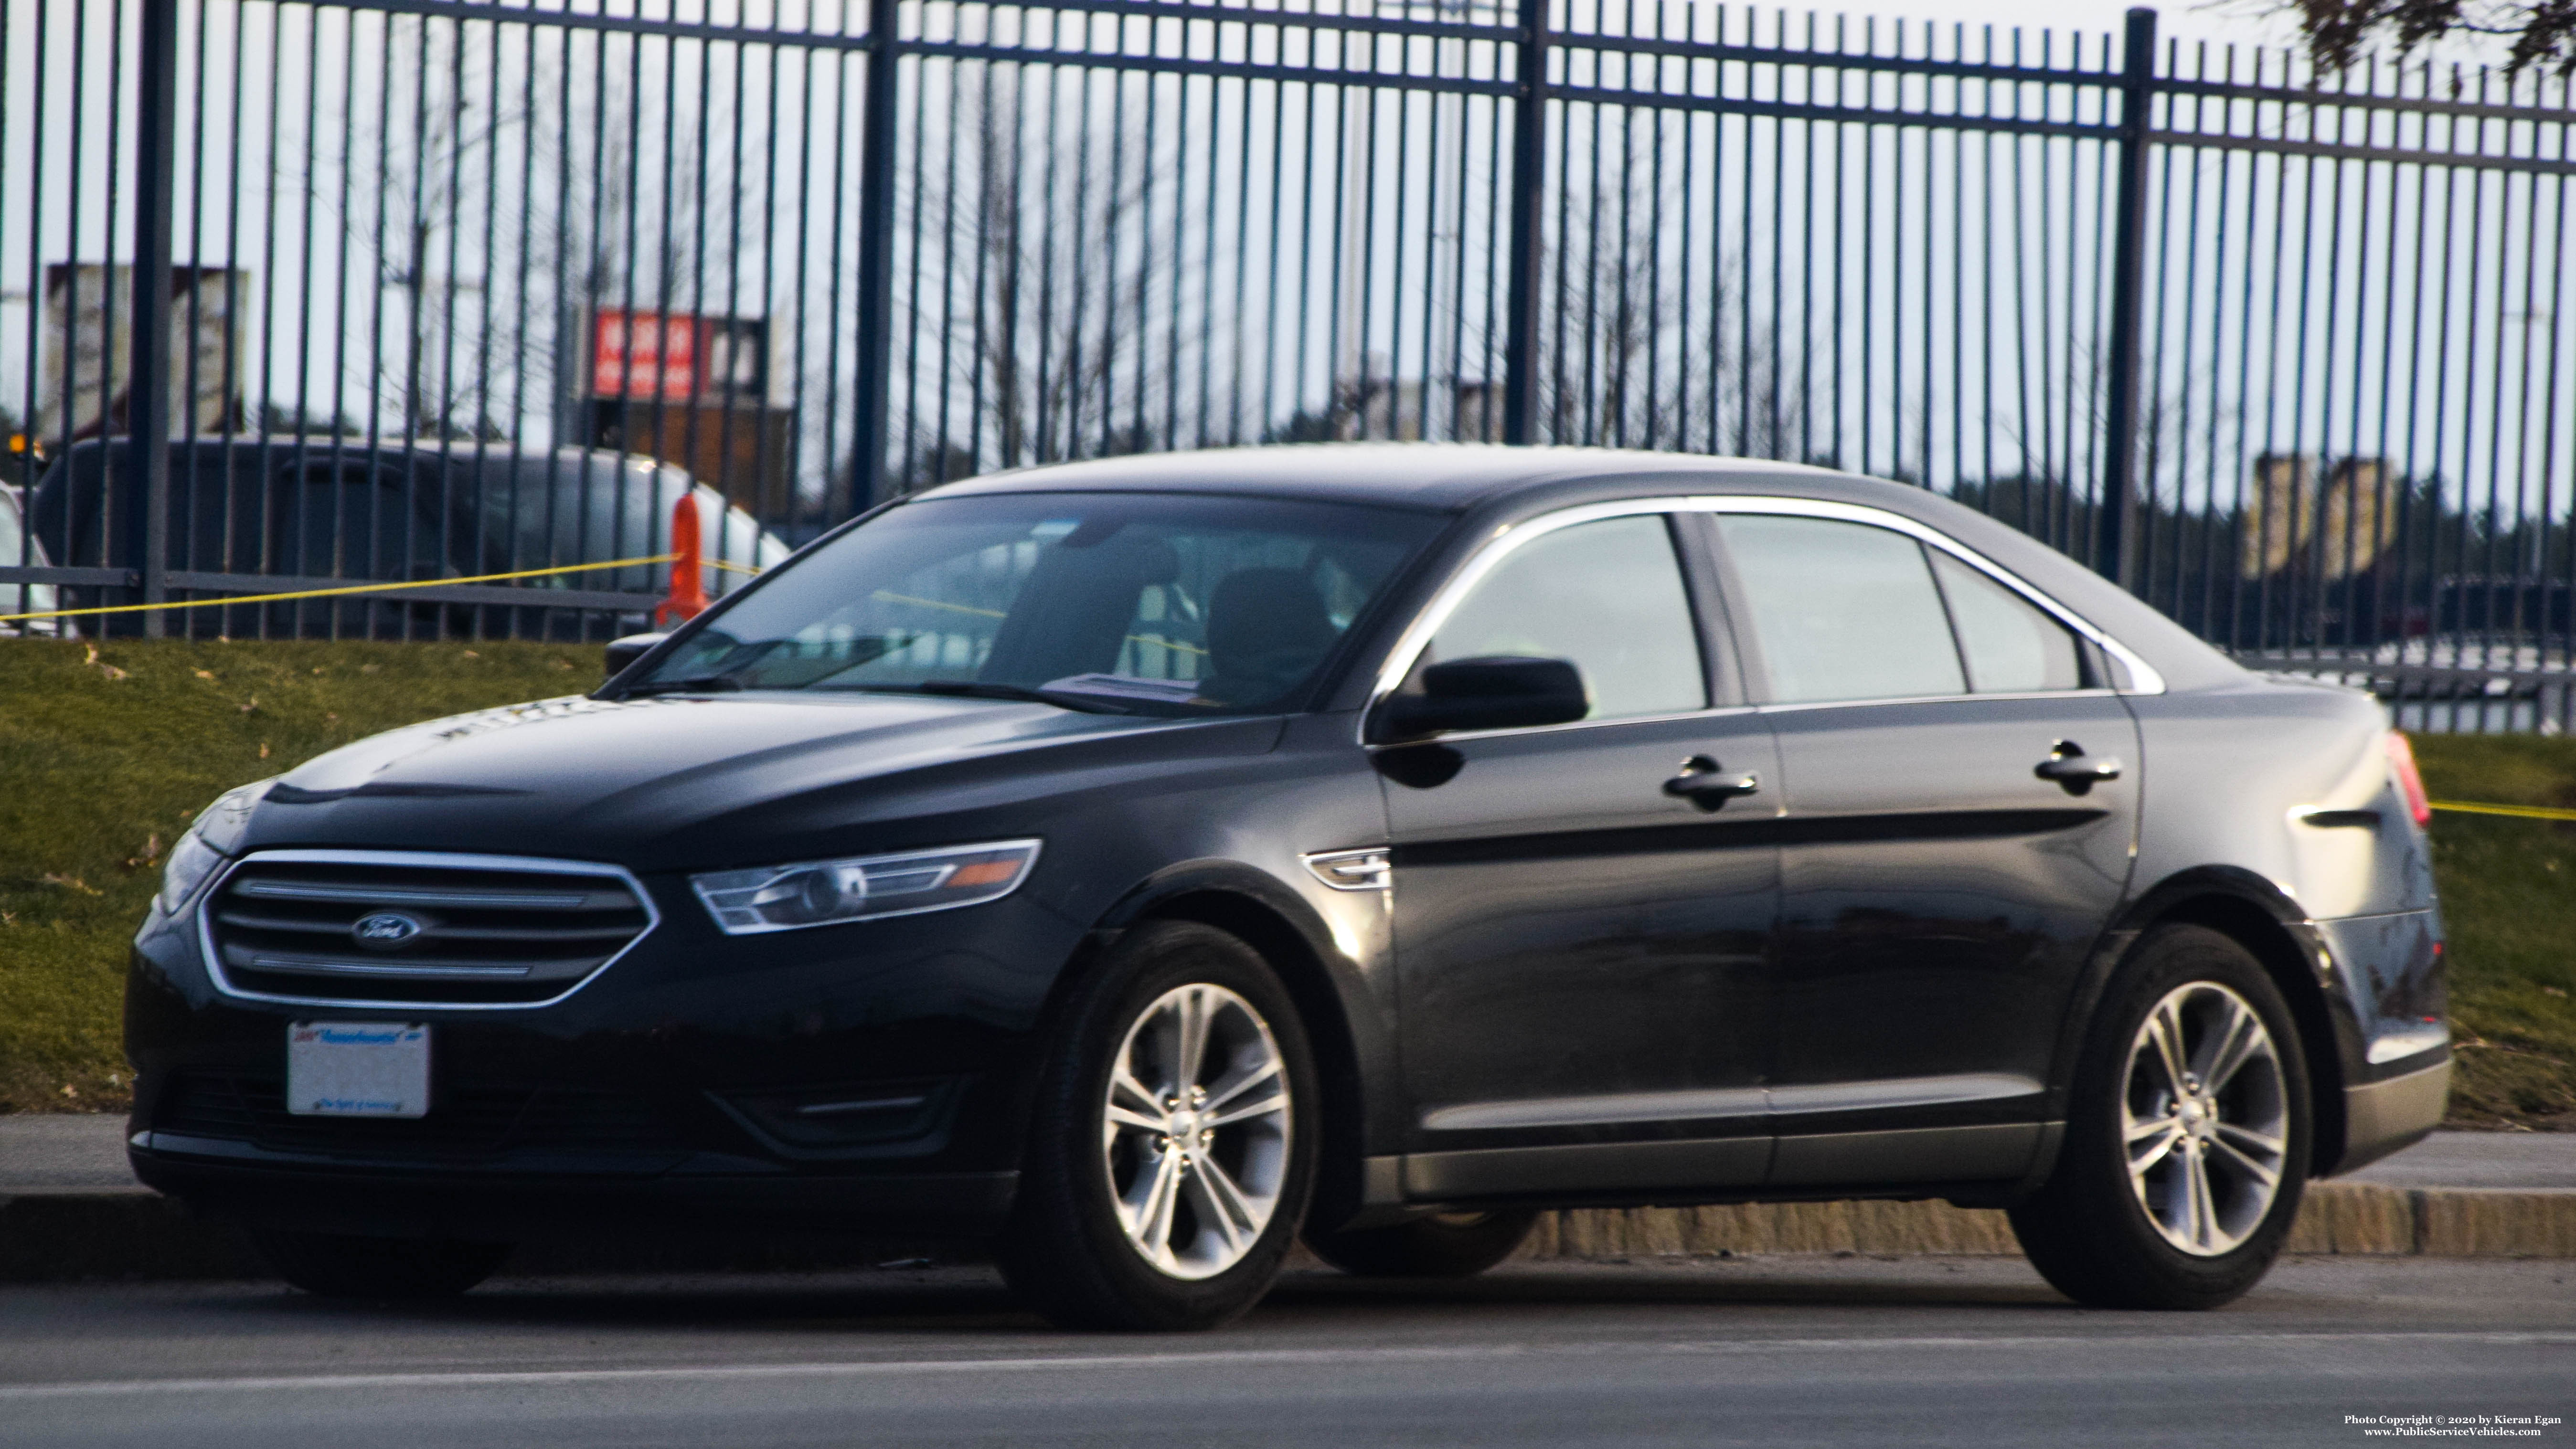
[693, 684]
[978, 689]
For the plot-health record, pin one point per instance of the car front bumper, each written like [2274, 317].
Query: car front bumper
[668, 1092]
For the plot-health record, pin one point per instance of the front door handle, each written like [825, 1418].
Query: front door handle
[2078, 772]
[1703, 783]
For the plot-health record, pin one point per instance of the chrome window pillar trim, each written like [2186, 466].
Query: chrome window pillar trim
[213, 957]
[2143, 677]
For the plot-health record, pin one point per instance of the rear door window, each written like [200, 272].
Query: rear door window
[358, 522]
[2010, 646]
[1842, 611]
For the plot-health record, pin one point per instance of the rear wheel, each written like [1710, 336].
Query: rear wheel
[1443, 1245]
[1173, 1145]
[342, 1265]
[2187, 1135]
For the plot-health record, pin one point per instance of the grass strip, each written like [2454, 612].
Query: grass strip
[108, 751]
[2509, 903]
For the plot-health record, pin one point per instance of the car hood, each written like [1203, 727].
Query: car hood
[689, 782]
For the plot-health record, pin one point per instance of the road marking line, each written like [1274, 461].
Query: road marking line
[1237, 1358]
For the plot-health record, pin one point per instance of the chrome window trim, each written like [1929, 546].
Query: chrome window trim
[214, 961]
[2143, 677]
[1937, 699]
[1723, 711]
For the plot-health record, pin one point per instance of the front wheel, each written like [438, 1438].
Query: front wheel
[2187, 1134]
[1172, 1148]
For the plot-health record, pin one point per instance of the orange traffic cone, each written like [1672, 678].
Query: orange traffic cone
[688, 568]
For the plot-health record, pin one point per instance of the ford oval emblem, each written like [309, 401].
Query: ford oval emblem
[386, 930]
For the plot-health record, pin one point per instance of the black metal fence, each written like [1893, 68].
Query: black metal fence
[2282, 352]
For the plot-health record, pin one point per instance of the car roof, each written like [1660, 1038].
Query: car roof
[1444, 477]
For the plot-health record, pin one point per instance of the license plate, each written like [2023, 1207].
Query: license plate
[357, 1069]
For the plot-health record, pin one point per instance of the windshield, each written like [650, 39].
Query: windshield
[1154, 603]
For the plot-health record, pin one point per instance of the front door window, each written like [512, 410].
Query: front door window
[1608, 596]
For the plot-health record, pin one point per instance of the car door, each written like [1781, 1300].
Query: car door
[1580, 950]
[1962, 797]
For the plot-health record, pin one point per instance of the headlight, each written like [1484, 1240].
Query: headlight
[221, 824]
[191, 861]
[825, 892]
[214, 836]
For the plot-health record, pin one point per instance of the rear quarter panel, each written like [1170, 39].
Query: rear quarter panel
[2235, 778]
[2232, 776]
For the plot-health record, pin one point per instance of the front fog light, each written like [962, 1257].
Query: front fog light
[826, 892]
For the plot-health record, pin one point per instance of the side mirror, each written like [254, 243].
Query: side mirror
[1490, 692]
[623, 652]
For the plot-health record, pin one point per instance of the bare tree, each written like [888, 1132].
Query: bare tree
[1646, 346]
[544, 176]
[1045, 301]
[2543, 31]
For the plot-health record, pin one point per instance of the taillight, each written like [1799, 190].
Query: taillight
[2401, 766]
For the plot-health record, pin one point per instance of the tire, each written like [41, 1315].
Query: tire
[337, 1265]
[1444, 1245]
[2109, 1237]
[1119, 1222]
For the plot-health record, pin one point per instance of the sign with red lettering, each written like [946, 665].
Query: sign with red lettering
[677, 356]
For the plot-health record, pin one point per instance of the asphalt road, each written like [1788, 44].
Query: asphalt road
[1783, 1351]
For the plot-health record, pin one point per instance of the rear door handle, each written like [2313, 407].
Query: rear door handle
[2069, 766]
[1707, 785]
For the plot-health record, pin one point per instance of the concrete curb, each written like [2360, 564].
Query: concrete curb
[66, 1237]
[2337, 1217]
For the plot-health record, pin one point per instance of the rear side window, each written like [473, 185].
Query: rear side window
[355, 522]
[1842, 611]
[1606, 595]
[2010, 646]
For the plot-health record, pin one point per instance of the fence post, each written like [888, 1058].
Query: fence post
[147, 384]
[2117, 553]
[1528, 239]
[875, 359]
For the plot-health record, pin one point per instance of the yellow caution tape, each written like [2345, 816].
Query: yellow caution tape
[2527, 812]
[620, 563]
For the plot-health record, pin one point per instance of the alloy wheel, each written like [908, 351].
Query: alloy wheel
[1194, 1130]
[2205, 1119]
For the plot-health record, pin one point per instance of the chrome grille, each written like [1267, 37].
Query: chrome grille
[353, 927]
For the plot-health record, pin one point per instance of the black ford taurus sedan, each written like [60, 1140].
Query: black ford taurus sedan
[1140, 863]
